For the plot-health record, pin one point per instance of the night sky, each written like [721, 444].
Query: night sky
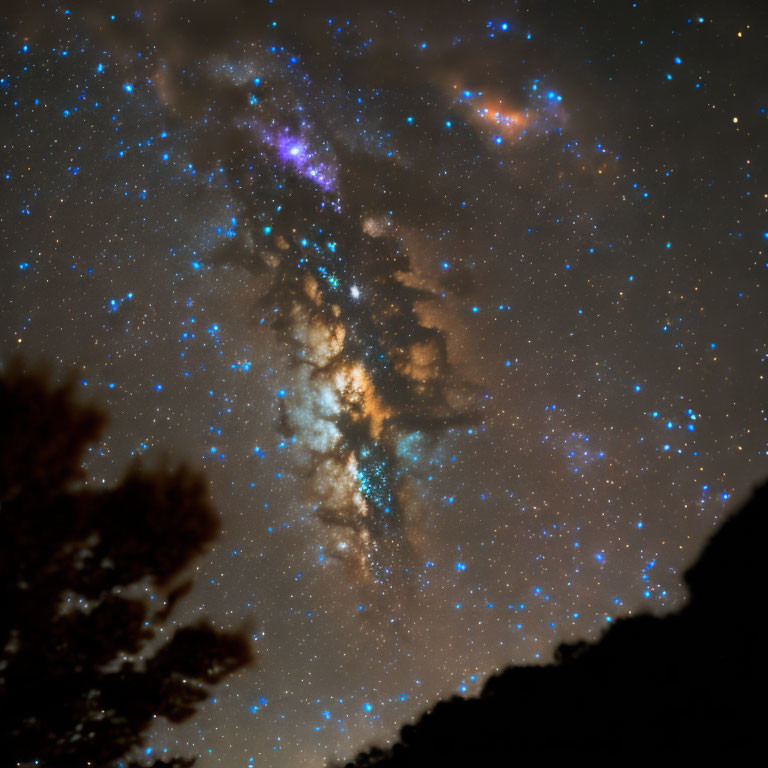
[460, 307]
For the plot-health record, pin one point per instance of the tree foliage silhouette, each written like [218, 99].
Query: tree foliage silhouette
[86, 663]
[688, 683]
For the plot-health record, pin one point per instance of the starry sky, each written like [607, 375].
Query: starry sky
[460, 307]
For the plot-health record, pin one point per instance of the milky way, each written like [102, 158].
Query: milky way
[461, 311]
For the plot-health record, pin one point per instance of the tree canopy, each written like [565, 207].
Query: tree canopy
[88, 662]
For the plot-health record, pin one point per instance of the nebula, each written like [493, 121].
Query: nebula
[370, 377]
[369, 363]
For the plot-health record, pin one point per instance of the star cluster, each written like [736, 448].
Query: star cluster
[462, 311]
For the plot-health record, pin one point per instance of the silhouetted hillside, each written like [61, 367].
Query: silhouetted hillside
[691, 682]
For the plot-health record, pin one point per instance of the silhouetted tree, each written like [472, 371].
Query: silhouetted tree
[690, 683]
[86, 663]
